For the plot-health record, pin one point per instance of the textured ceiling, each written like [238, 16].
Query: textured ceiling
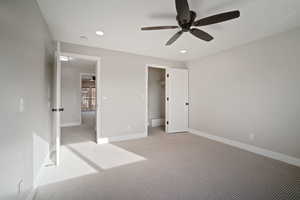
[121, 22]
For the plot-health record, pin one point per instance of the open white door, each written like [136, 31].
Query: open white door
[176, 100]
[98, 99]
[56, 110]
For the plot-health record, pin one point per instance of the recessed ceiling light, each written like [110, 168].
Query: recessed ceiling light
[99, 33]
[65, 58]
[183, 51]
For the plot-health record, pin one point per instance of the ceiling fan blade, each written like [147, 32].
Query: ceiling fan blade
[201, 34]
[158, 28]
[174, 38]
[217, 18]
[183, 10]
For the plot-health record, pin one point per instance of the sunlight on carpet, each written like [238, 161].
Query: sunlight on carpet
[84, 159]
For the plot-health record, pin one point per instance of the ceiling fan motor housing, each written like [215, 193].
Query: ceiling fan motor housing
[186, 25]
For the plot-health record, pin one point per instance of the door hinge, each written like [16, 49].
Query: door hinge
[167, 122]
[167, 98]
[168, 75]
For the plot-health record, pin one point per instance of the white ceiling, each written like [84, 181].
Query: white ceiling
[121, 21]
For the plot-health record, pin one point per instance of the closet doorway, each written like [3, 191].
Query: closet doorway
[156, 100]
[167, 100]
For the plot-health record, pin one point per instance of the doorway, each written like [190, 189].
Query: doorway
[167, 99]
[68, 99]
[156, 100]
[88, 99]
[78, 95]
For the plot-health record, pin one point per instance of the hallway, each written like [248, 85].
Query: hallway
[77, 134]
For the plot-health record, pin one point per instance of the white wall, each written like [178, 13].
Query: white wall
[123, 88]
[252, 89]
[156, 94]
[26, 57]
[71, 96]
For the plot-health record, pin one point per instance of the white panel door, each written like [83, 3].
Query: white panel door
[98, 100]
[176, 100]
[56, 110]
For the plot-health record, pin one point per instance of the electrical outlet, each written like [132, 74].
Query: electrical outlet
[20, 187]
[251, 136]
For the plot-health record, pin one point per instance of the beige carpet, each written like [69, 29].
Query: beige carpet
[165, 167]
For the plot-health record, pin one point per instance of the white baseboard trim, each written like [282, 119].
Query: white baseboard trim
[31, 195]
[264, 152]
[70, 124]
[106, 140]
[41, 170]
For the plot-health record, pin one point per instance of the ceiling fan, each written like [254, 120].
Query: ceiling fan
[186, 21]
